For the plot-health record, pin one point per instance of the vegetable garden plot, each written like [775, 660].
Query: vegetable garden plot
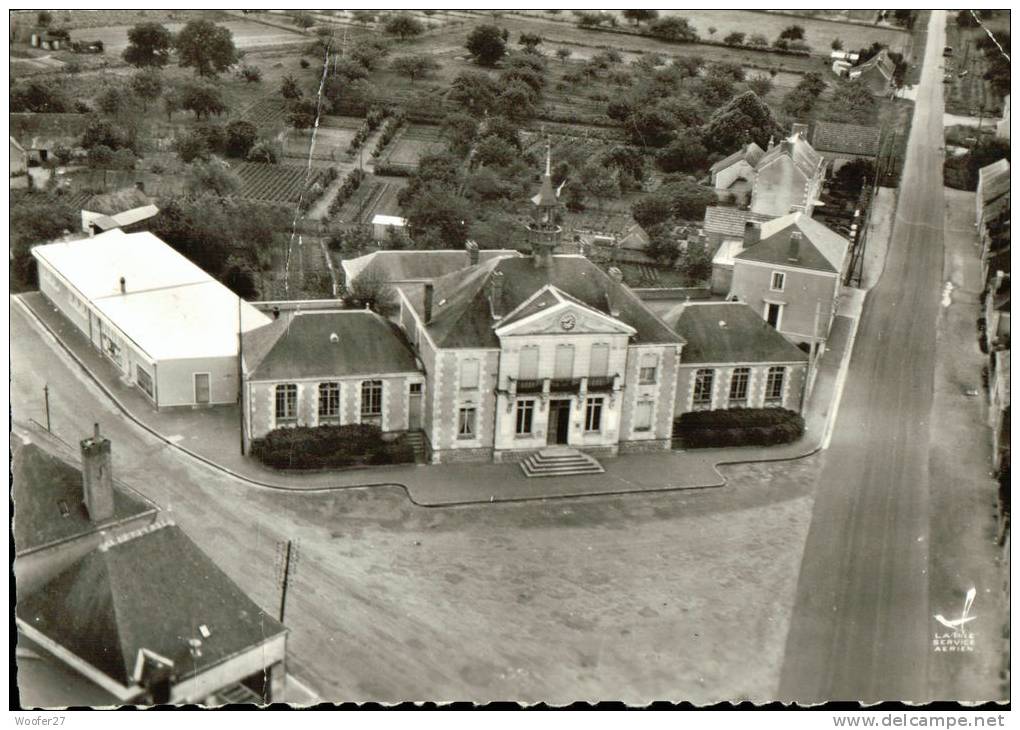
[275, 183]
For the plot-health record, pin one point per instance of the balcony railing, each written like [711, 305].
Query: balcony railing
[564, 385]
[529, 386]
[600, 384]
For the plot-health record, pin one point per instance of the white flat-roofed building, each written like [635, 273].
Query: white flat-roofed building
[382, 224]
[169, 327]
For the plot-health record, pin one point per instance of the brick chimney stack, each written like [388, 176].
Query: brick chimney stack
[752, 233]
[472, 249]
[496, 294]
[97, 477]
[427, 304]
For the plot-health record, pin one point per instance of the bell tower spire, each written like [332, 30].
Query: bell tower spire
[543, 231]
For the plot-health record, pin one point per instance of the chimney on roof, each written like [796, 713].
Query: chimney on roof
[472, 249]
[496, 294]
[97, 477]
[798, 128]
[276, 311]
[752, 233]
[427, 303]
[123, 285]
[615, 274]
[787, 145]
[793, 254]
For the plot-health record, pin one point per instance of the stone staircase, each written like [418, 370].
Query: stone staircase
[559, 462]
[417, 441]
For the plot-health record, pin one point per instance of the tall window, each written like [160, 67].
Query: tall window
[738, 386]
[643, 416]
[703, 382]
[528, 367]
[778, 281]
[525, 417]
[649, 368]
[144, 380]
[469, 374]
[466, 423]
[774, 386]
[593, 415]
[371, 399]
[329, 402]
[286, 404]
[599, 365]
[564, 366]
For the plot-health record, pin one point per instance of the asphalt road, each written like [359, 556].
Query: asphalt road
[862, 628]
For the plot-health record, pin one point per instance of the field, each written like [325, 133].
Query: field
[412, 143]
[968, 94]
[247, 36]
[274, 183]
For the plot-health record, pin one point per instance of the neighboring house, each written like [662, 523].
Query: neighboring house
[1002, 126]
[117, 605]
[996, 314]
[998, 411]
[41, 134]
[788, 177]
[995, 246]
[845, 56]
[126, 209]
[839, 143]
[734, 359]
[876, 73]
[313, 368]
[169, 328]
[992, 192]
[790, 271]
[635, 239]
[63, 510]
[383, 224]
[19, 158]
[724, 232]
[734, 175]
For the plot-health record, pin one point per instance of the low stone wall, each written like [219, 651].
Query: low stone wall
[461, 456]
[645, 447]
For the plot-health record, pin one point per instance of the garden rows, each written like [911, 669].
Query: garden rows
[275, 183]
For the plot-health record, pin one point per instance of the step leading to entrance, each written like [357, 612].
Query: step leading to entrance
[559, 462]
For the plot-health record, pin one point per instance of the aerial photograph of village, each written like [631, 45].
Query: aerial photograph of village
[531, 356]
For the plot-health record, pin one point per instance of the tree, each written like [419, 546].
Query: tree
[172, 102]
[302, 115]
[114, 100]
[99, 131]
[191, 147]
[688, 200]
[203, 98]
[212, 177]
[147, 85]
[39, 96]
[730, 71]
[651, 210]
[262, 151]
[44, 19]
[149, 45]
[650, 127]
[362, 16]
[673, 28]
[837, 44]
[637, 16]
[714, 91]
[438, 218]
[403, 26]
[516, 102]
[662, 246]
[854, 173]
[760, 84]
[414, 67]
[599, 183]
[793, 33]
[474, 91]
[851, 102]
[206, 47]
[745, 118]
[530, 41]
[103, 158]
[563, 53]
[459, 129]
[348, 70]
[251, 74]
[370, 288]
[695, 262]
[757, 39]
[735, 39]
[486, 45]
[240, 138]
[289, 88]
[369, 53]
[493, 151]
[34, 218]
[683, 154]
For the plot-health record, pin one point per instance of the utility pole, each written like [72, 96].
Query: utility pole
[46, 398]
[287, 556]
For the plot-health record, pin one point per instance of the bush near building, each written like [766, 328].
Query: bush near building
[738, 427]
[330, 447]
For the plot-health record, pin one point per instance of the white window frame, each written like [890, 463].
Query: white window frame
[780, 371]
[370, 385]
[525, 406]
[779, 318]
[782, 281]
[285, 420]
[703, 405]
[593, 406]
[471, 432]
[330, 386]
[735, 376]
[644, 377]
[638, 408]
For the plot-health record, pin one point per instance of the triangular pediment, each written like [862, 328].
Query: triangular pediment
[552, 312]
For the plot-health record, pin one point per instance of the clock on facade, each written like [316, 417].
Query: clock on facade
[567, 321]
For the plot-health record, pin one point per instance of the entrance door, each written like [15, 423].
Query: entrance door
[414, 407]
[559, 422]
[772, 314]
[201, 388]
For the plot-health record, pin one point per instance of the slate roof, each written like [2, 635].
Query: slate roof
[150, 589]
[804, 156]
[847, 139]
[300, 347]
[821, 248]
[730, 221]
[42, 482]
[402, 266]
[879, 61]
[731, 332]
[636, 238]
[462, 314]
[751, 154]
[993, 180]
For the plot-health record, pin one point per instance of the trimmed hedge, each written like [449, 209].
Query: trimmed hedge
[330, 447]
[738, 427]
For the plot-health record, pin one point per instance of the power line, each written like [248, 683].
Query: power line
[989, 34]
